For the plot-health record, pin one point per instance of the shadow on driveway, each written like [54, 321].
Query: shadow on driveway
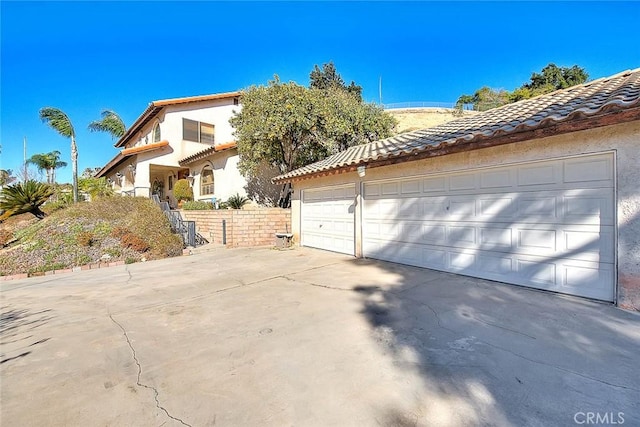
[503, 355]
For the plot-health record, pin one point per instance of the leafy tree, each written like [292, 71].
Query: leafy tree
[24, 197]
[95, 187]
[6, 177]
[110, 123]
[287, 126]
[59, 121]
[48, 162]
[549, 79]
[328, 78]
[553, 78]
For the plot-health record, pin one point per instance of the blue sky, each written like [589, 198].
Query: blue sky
[83, 57]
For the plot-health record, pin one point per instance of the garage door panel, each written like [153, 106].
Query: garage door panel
[328, 218]
[548, 225]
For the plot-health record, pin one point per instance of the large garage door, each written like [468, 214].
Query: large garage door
[547, 225]
[328, 218]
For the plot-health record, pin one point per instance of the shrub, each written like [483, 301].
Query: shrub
[134, 242]
[197, 205]
[237, 201]
[182, 190]
[85, 238]
[118, 232]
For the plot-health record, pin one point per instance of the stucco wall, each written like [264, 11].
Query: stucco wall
[624, 139]
[227, 179]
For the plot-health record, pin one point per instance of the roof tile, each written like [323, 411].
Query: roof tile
[605, 95]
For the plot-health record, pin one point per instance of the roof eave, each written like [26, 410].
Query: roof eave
[479, 141]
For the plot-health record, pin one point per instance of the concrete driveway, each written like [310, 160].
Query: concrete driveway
[262, 337]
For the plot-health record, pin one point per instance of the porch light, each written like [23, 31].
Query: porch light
[362, 171]
[132, 169]
[190, 178]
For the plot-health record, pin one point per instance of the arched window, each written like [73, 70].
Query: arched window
[156, 133]
[206, 181]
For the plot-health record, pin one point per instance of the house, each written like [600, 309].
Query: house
[180, 138]
[543, 193]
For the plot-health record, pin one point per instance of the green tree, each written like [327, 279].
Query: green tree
[59, 121]
[95, 187]
[24, 197]
[553, 78]
[110, 123]
[328, 78]
[287, 126]
[550, 78]
[48, 162]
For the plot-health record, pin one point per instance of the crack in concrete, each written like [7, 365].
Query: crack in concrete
[138, 383]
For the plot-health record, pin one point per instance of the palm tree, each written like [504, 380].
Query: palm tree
[110, 123]
[48, 162]
[24, 197]
[60, 122]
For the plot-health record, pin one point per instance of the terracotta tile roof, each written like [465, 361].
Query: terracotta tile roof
[582, 103]
[207, 152]
[144, 148]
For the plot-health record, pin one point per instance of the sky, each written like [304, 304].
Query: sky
[84, 57]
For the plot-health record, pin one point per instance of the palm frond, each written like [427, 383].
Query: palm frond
[22, 198]
[110, 123]
[58, 121]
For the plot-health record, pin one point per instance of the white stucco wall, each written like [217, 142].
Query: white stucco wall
[624, 139]
[227, 179]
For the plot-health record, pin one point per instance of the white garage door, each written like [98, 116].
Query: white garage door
[547, 225]
[328, 218]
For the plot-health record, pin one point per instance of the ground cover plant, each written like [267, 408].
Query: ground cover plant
[111, 229]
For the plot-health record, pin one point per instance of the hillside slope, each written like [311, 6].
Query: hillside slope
[111, 229]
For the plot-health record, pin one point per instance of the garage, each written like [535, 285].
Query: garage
[541, 193]
[328, 218]
[547, 225]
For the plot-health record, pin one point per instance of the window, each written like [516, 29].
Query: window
[206, 181]
[170, 182]
[197, 131]
[156, 133]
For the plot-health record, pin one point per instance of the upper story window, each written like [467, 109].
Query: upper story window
[197, 131]
[206, 181]
[156, 133]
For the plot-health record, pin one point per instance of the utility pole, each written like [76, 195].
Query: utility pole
[380, 91]
[24, 145]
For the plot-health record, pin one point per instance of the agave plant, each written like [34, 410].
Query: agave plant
[237, 201]
[24, 197]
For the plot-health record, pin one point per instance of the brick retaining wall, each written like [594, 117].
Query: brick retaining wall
[251, 227]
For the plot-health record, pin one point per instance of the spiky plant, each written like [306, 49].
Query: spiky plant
[60, 122]
[24, 197]
[110, 123]
[237, 201]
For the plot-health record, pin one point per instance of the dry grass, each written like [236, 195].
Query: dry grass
[411, 119]
[84, 234]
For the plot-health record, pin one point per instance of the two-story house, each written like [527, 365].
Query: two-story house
[180, 138]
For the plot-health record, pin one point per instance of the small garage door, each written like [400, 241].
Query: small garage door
[328, 218]
[547, 225]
